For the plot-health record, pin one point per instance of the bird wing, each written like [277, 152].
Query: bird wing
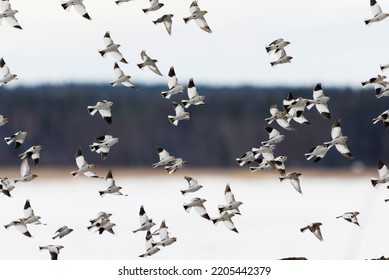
[4, 68]
[202, 23]
[107, 39]
[163, 155]
[192, 91]
[281, 53]
[80, 8]
[336, 130]
[344, 150]
[201, 210]
[80, 161]
[28, 212]
[376, 9]
[5, 5]
[61, 229]
[382, 169]
[117, 71]
[317, 233]
[24, 167]
[171, 78]
[318, 93]
[144, 56]
[179, 109]
[143, 219]
[155, 69]
[168, 25]
[163, 233]
[117, 55]
[228, 195]
[322, 108]
[12, 21]
[105, 113]
[194, 8]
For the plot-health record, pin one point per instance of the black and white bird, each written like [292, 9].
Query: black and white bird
[378, 82]
[6, 186]
[226, 218]
[106, 225]
[149, 62]
[164, 157]
[275, 136]
[232, 205]
[145, 223]
[33, 153]
[7, 75]
[8, 14]
[339, 140]
[112, 48]
[165, 239]
[282, 58]
[276, 45]
[167, 21]
[104, 108]
[318, 152]
[350, 217]
[103, 145]
[62, 232]
[78, 6]
[172, 82]
[198, 204]
[281, 117]
[29, 215]
[378, 15]
[83, 166]
[277, 163]
[181, 114]
[384, 117]
[53, 250]
[293, 178]
[179, 163]
[102, 218]
[315, 229]
[194, 97]
[198, 16]
[3, 120]
[247, 158]
[154, 6]
[20, 225]
[266, 151]
[193, 185]
[121, 78]
[18, 138]
[25, 172]
[112, 188]
[320, 101]
[383, 174]
[151, 249]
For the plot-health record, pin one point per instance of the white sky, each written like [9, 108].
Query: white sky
[329, 42]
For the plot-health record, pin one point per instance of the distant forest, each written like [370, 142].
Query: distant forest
[231, 123]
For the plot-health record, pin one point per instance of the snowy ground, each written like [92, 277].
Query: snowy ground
[272, 214]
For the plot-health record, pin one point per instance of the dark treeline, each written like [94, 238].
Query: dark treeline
[230, 124]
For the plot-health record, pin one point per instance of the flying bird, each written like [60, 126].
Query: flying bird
[378, 82]
[121, 78]
[378, 15]
[282, 58]
[275, 136]
[198, 16]
[33, 153]
[318, 152]
[198, 205]
[106, 225]
[350, 217]
[102, 218]
[177, 164]
[180, 114]
[62, 232]
[384, 117]
[78, 6]
[25, 172]
[20, 225]
[164, 157]
[226, 218]
[83, 166]
[103, 145]
[154, 6]
[276, 45]
[145, 222]
[149, 62]
[193, 185]
[315, 229]
[194, 97]
[172, 82]
[151, 249]
[339, 140]
[112, 48]
[8, 14]
[18, 138]
[7, 75]
[112, 188]
[165, 239]
[293, 178]
[3, 120]
[281, 117]
[247, 158]
[232, 204]
[53, 250]
[167, 21]
[6, 187]
[29, 215]
[320, 101]
[383, 174]
[104, 108]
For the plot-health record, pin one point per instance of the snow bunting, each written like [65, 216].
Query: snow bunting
[282, 58]
[266, 151]
[149, 62]
[121, 78]
[106, 225]
[318, 152]
[378, 15]
[378, 83]
[8, 14]
[78, 6]
[145, 222]
[339, 140]
[172, 82]
[315, 229]
[18, 137]
[20, 225]
[151, 249]
[276, 45]
[281, 117]
[53, 250]
[165, 239]
[154, 6]
[101, 218]
[384, 117]
[103, 145]
[25, 172]
[198, 205]
[104, 108]
[226, 218]
[382, 173]
[247, 158]
[231, 203]
[198, 16]
[6, 187]
[167, 21]
[320, 101]
[33, 153]
[3, 120]
[111, 48]
[350, 217]
[7, 75]
[164, 157]
[29, 215]
[194, 97]
[275, 136]
[83, 166]
[62, 232]
[180, 114]
[193, 185]
[177, 164]
[293, 177]
[111, 186]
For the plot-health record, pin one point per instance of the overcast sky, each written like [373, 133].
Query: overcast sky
[329, 42]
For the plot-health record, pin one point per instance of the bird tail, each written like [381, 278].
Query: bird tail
[74, 173]
[65, 6]
[187, 19]
[141, 65]
[376, 120]
[166, 94]
[303, 229]
[183, 192]
[146, 11]
[367, 22]
[173, 120]
[273, 64]
[91, 110]
[8, 140]
[102, 193]
[186, 103]
[187, 208]
[93, 147]
[103, 53]
[221, 208]
[41, 248]
[374, 182]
